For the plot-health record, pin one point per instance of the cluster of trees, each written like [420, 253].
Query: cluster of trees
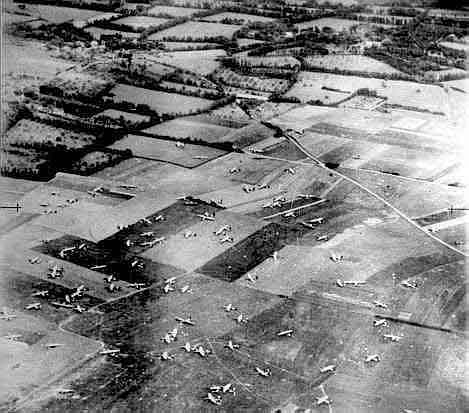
[106, 157]
[57, 34]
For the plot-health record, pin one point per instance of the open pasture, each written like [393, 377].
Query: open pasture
[188, 156]
[202, 62]
[237, 18]
[188, 128]
[332, 22]
[197, 31]
[58, 15]
[162, 10]
[353, 63]
[160, 102]
[191, 253]
[140, 23]
[331, 88]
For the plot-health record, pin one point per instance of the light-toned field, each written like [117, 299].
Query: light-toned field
[202, 62]
[97, 32]
[160, 102]
[57, 15]
[196, 31]
[248, 42]
[356, 63]
[332, 22]
[422, 96]
[244, 18]
[191, 253]
[163, 150]
[133, 118]
[456, 46]
[140, 22]
[172, 11]
[188, 128]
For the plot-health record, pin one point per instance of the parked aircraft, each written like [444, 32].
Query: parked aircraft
[263, 373]
[381, 322]
[222, 230]
[153, 242]
[229, 307]
[287, 333]
[231, 345]
[227, 239]
[33, 306]
[206, 217]
[185, 321]
[216, 400]
[392, 337]
[327, 369]
[379, 304]
[374, 358]
[41, 293]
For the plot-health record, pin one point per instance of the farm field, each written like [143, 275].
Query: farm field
[330, 88]
[139, 23]
[131, 118]
[456, 46]
[188, 156]
[187, 128]
[354, 63]
[197, 31]
[172, 11]
[160, 102]
[202, 62]
[239, 18]
[203, 223]
[241, 42]
[57, 15]
[332, 22]
[194, 252]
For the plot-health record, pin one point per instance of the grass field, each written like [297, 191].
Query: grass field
[330, 88]
[183, 128]
[171, 11]
[162, 150]
[191, 253]
[160, 102]
[196, 31]
[58, 15]
[202, 62]
[242, 18]
[138, 23]
[332, 22]
[354, 63]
